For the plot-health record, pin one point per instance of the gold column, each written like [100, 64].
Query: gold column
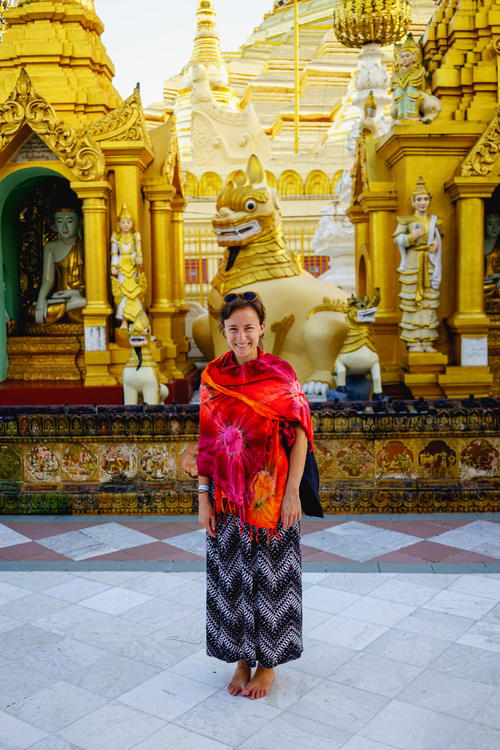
[469, 323]
[162, 307]
[179, 285]
[357, 216]
[97, 310]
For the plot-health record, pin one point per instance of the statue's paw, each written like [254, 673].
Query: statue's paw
[316, 389]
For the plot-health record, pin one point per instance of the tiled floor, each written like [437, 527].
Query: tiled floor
[115, 660]
[366, 539]
[102, 639]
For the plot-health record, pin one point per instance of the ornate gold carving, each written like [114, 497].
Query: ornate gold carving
[125, 123]
[168, 168]
[480, 160]
[358, 22]
[25, 106]
[332, 305]
[280, 330]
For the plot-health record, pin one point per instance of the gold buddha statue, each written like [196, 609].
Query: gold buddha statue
[63, 271]
[492, 256]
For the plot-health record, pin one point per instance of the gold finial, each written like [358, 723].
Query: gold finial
[206, 42]
[125, 213]
[421, 188]
[359, 22]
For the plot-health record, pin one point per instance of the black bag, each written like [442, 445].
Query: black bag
[309, 488]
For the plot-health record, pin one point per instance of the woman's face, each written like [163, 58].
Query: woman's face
[67, 224]
[242, 331]
[407, 58]
[422, 202]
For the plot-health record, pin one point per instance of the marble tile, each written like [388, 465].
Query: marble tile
[76, 589]
[193, 594]
[477, 585]
[9, 537]
[167, 695]
[199, 666]
[363, 743]
[406, 647]
[35, 580]
[156, 584]
[475, 737]
[228, 719]
[327, 599]
[432, 580]
[54, 742]
[358, 541]
[115, 535]
[32, 606]
[73, 620]
[77, 545]
[179, 738]
[447, 694]
[369, 609]
[344, 631]
[62, 659]
[355, 583]
[157, 612]
[290, 685]
[194, 541]
[113, 675]
[296, 733]
[483, 635]
[463, 605]
[322, 659]
[478, 536]
[474, 664]
[377, 674]
[412, 728]
[16, 734]
[341, 706]
[26, 639]
[493, 615]
[18, 682]
[489, 713]
[112, 727]
[435, 624]
[115, 601]
[403, 592]
[313, 578]
[55, 706]
[10, 592]
[311, 618]
[7, 623]
[112, 577]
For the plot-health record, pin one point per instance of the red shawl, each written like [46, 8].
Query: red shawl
[245, 412]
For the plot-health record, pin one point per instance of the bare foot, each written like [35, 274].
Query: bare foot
[259, 685]
[240, 678]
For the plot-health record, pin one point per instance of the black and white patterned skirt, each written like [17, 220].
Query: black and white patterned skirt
[254, 595]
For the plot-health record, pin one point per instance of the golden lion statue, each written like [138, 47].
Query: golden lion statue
[248, 225]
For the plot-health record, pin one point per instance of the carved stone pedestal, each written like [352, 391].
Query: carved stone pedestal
[51, 356]
[422, 373]
[460, 382]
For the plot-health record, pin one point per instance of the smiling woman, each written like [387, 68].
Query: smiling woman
[255, 428]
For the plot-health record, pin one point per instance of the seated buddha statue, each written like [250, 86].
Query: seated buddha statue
[62, 289]
[492, 256]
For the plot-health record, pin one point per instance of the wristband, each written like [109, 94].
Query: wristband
[203, 488]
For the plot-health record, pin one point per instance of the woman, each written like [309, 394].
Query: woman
[255, 429]
[419, 240]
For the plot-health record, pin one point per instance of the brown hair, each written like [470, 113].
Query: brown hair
[238, 303]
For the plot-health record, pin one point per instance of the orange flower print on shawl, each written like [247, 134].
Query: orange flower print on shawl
[244, 413]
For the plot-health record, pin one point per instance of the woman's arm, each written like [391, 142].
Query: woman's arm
[206, 515]
[291, 510]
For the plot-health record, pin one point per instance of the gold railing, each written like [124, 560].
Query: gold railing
[202, 255]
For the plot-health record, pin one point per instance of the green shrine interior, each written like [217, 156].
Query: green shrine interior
[392, 457]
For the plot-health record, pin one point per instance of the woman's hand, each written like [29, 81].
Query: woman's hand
[291, 509]
[206, 515]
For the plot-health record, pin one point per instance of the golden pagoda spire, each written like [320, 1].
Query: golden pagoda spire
[207, 49]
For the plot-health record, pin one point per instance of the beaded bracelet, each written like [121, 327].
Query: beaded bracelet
[203, 488]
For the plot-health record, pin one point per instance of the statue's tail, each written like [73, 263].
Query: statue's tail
[138, 351]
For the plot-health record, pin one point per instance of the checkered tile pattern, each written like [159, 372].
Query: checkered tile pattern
[403, 540]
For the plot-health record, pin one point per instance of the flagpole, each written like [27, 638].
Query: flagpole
[297, 92]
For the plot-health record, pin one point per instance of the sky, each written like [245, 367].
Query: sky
[151, 40]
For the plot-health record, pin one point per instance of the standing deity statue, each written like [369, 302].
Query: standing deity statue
[419, 240]
[411, 102]
[128, 282]
[492, 256]
[63, 268]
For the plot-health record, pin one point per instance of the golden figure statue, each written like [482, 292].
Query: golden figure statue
[128, 281]
[492, 256]
[419, 240]
[63, 267]
[411, 102]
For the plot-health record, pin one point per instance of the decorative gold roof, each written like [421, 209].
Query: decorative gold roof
[358, 22]
[206, 42]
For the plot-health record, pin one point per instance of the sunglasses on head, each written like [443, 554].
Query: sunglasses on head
[247, 296]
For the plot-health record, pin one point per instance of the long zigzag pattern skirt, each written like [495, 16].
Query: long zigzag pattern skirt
[254, 595]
